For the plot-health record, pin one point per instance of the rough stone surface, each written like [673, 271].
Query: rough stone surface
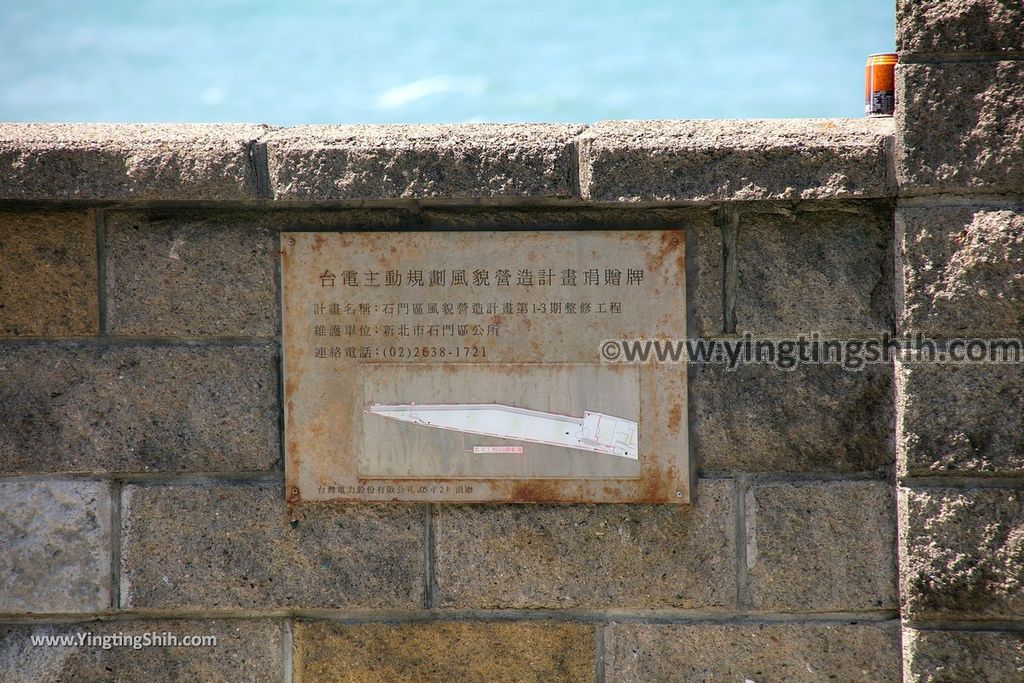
[54, 546]
[961, 127]
[444, 651]
[560, 556]
[960, 419]
[821, 547]
[957, 656]
[48, 161]
[962, 554]
[816, 271]
[192, 273]
[961, 271]
[418, 162]
[959, 25]
[814, 418]
[704, 288]
[191, 276]
[220, 545]
[795, 653]
[704, 240]
[48, 274]
[735, 160]
[95, 408]
[246, 650]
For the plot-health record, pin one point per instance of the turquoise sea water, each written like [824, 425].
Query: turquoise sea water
[356, 61]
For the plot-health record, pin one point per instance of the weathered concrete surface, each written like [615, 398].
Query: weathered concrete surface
[620, 161]
[957, 656]
[821, 547]
[962, 554]
[90, 408]
[53, 161]
[705, 295]
[222, 545]
[795, 653]
[973, 141]
[961, 271]
[444, 651]
[959, 25]
[48, 274]
[54, 546]
[960, 419]
[558, 556]
[246, 650]
[191, 276]
[706, 161]
[816, 271]
[312, 163]
[210, 273]
[814, 418]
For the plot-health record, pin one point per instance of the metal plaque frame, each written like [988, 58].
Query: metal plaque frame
[468, 366]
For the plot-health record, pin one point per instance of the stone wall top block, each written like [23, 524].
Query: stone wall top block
[961, 127]
[191, 274]
[380, 162]
[959, 25]
[48, 273]
[181, 162]
[631, 161]
[823, 271]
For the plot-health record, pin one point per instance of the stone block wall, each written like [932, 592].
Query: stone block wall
[140, 447]
[960, 274]
[847, 525]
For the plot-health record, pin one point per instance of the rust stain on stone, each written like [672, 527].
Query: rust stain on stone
[671, 242]
[540, 491]
[654, 487]
[675, 417]
[612, 491]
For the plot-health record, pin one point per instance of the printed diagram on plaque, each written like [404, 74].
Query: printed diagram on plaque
[592, 432]
[501, 420]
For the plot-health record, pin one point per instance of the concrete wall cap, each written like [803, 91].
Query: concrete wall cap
[109, 162]
[388, 162]
[684, 161]
[744, 160]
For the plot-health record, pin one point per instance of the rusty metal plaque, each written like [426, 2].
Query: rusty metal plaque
[466, 366]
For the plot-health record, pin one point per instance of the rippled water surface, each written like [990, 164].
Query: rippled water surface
[324, 61]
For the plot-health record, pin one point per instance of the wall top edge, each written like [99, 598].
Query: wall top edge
[695, 160]
[125, 133]
[760, 133]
